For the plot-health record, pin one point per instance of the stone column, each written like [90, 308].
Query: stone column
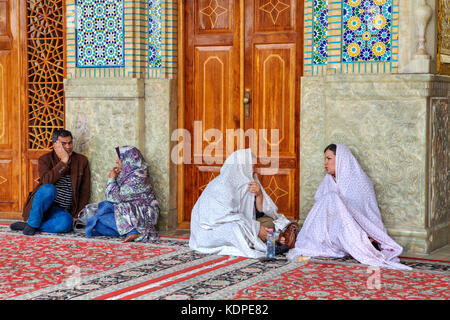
[418, 36]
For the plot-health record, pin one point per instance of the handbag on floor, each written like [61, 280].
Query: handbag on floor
[290, 234]
[87, 212]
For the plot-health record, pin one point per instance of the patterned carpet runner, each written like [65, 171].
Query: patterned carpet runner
[70, 266]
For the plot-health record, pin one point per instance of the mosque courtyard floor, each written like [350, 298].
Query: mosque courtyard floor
[73, 267]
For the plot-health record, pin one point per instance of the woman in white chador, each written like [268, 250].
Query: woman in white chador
[223, 220]
[345, 219]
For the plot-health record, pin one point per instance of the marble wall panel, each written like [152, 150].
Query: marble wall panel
[161, 110]
[439, 216]
[103, 114]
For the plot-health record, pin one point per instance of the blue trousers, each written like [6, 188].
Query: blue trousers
[104, 222]
[45, 215]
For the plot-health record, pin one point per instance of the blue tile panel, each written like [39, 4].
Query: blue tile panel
[99, 33]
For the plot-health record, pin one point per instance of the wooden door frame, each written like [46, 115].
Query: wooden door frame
[14, 45]
[28, 155]
[181, 91]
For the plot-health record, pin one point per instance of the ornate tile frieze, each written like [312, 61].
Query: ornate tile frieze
[155, 33]
[366, 30]
[99, 33]
[320, 27]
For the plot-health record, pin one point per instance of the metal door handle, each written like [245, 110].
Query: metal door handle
[246, 102]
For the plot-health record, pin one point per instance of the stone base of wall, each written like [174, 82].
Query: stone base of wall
[397, 127]
[105, 113]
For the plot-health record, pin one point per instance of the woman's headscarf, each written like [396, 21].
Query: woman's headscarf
[230, 190]
[134, 179]
[135, 203]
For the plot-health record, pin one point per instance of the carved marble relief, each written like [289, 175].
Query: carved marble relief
[440, 162]
[444, 37]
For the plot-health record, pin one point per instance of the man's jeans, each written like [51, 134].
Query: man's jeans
[45, 215]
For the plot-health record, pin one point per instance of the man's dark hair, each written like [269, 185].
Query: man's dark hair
[60, 133]
[331, 147]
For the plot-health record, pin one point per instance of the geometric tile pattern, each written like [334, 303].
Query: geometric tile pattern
[362, 37]
[137, 61]
[45, 70]
[320, 26]
[366, 30]
[100, 33]
[155, 33]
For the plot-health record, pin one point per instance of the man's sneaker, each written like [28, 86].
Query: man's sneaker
[29, 231]
[19, 225]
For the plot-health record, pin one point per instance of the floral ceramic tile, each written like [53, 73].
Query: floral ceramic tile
[366, 30]
[154, 40]
[320, 26]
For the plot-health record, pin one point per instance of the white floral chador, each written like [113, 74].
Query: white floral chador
[344, 216]
[223, 218]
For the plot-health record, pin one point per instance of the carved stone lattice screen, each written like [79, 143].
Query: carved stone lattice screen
[46, 70]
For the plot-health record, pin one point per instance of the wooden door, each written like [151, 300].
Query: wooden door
[272, 71]
[32, 69]
[10, 115]
[231, 50]
[43, 72]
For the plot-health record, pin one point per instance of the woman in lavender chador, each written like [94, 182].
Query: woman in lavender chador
[131, 209]
[345, 219]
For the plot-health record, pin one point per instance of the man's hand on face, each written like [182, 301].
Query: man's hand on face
[62, 154]
[63, 148]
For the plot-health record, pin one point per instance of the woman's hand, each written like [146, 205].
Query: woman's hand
[262, 233]
[114, 172]
[255, 188]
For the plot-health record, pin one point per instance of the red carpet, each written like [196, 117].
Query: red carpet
[344, 282]
[31, 263]
[69, 266]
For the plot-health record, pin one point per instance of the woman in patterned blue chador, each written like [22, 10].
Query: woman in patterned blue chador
[131, 209]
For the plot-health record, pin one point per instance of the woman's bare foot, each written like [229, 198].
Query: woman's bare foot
[131, 237]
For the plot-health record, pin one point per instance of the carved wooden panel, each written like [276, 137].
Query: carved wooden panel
[10, 95]
[5, 34]
[274, 94]
[274, 15]
[3, 108]
[273, 67]
[6, 183]
[213, 77]
[280, 187]
[204, 176]
[215, 15]
[33, 173]
[45, 39]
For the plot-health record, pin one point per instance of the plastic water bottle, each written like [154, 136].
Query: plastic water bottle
[270, 251]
